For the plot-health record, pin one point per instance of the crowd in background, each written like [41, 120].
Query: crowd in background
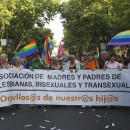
[91, 61]
[72, 62]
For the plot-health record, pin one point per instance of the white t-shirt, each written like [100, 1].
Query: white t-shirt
[121, 65]
[65, 66]
[76, 62]
[129, 66]
[114, 65]
[20, 67]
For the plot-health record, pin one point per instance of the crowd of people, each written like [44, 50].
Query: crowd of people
[73, 62]
[90, 61]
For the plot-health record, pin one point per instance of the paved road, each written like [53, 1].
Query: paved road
[65, 118]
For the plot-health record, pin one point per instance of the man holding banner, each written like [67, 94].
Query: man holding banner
[37, 63]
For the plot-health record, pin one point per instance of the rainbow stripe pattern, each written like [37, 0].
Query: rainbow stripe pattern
[29, 49]
[45, 51]
[122, 38]
[66, 53]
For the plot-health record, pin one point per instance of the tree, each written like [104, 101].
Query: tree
[26, 15]
[89, 23]
[7, 8]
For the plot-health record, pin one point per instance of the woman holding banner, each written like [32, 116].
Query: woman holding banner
[55, 65]
[3, 65]
[17, 64]
[73, 63]
[112, 63]
[82, 63]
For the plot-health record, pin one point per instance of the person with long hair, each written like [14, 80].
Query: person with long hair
[4, 65]
[73, 63]
[112, 63]
[82, 63]
[55, 65]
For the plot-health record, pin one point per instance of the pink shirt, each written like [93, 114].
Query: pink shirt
[114, 65]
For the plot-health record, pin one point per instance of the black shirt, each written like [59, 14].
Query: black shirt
[101, 62]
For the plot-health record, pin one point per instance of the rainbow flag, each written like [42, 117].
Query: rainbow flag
[60, 52]
[45, 51]
[29, 49]
[50, 45]
[65, 53]
[122, 38]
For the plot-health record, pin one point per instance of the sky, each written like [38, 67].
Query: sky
[57, 28]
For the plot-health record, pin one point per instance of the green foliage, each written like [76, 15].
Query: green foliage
[38, 34]
[7, 8]
[87, 23]
[26, 14]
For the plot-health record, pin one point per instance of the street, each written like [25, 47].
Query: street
[65, 118]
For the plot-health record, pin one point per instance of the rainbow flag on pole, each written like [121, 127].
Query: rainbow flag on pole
[29, 49]
[45, 51]
[62, 52]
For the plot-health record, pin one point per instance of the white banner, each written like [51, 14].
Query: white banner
[54, 87]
